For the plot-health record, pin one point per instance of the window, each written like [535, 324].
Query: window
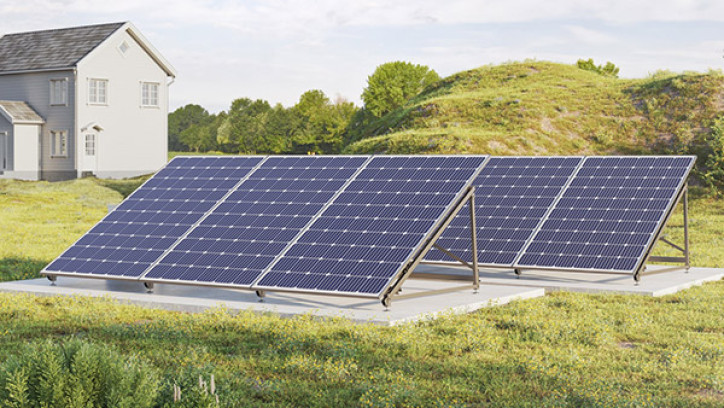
[59, 140]
[98, 91]
[90, 145]
[59, 91]
[149, 94]
[123, 47]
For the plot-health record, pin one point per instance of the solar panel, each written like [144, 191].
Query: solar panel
[132, 236]
[236, 242]
[512, 195]
[368, 234]
[609, 215]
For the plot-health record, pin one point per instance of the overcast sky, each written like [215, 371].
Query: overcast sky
[277, 49]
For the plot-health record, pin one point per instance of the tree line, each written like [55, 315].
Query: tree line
[315, 124]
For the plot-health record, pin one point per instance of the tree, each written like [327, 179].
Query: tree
[394, 83]
[321, 123]
[610, 69]
[182, 119]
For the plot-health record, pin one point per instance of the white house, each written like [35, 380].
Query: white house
[82, 100]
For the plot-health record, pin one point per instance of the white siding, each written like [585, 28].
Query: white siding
[34, 88]
[134, 138]
[26, 151]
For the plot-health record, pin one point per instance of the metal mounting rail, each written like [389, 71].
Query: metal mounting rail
[394, 290]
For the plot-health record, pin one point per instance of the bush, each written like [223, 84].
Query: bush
[714, 161]
[610, 69]
[75, 374]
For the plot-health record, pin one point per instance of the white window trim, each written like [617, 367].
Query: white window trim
[53, 144]
[85, 143]
[50, 95]
[158, 94]
[107, 92]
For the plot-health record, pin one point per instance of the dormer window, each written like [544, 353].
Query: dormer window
[98, 91]
[59, 91]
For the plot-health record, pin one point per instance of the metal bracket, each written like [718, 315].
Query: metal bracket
[685, 258]
[394, 290]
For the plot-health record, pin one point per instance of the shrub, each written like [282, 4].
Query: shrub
[75, 374]
[714, 161]
[610, 69]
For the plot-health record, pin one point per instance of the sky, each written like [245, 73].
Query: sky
[278, 49]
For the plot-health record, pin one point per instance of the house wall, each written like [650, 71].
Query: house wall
[34, 88]
[134, 138]
[26, 152]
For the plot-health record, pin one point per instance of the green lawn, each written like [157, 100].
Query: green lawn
[560, 350]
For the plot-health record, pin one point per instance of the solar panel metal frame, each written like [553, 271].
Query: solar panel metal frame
[411, 258]
[52, 275]
[301, 231]
[653, 238]
[533, 232]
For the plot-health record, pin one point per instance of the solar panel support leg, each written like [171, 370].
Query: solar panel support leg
[261, 294]
[685, 256]
[393, 291]
[148, 286]
[474, 241]
[517, 273]
[52, 279]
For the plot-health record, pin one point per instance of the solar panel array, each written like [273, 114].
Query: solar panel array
[350, 224]
[364, 238]
[133, 236]
[512, 194]
[608, 217]
[253, 225]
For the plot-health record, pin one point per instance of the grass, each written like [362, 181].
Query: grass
[543, 108]
[558, 351]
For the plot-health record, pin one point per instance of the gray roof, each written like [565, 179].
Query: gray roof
[49, 49]
[19, 112]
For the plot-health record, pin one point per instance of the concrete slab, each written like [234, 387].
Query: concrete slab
[655, 284]
[198, 299]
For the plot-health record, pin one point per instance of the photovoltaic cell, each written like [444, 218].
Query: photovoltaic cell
[253, 225]
[609, 215]
[512, 194]
[135, 234]
[364, 238]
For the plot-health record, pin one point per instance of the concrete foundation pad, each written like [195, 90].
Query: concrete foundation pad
[197, 299]
[653, 284]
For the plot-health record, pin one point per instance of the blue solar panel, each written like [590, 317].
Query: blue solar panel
[512, 194]
[365, 237]
[131, 237]
[243, 235]
[609, 215]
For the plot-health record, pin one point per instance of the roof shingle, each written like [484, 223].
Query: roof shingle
[48, 49]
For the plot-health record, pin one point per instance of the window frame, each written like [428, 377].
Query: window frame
[64, 90]
[96, 81]
[59, 138]
[147, 98]
[93, 137]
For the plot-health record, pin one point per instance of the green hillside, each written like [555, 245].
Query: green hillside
[543, 108]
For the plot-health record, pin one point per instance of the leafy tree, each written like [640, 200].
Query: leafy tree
[607, 70]
[322, 124]
[182, 119]
[394, 83]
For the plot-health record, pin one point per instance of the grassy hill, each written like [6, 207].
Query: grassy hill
[543, 108]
